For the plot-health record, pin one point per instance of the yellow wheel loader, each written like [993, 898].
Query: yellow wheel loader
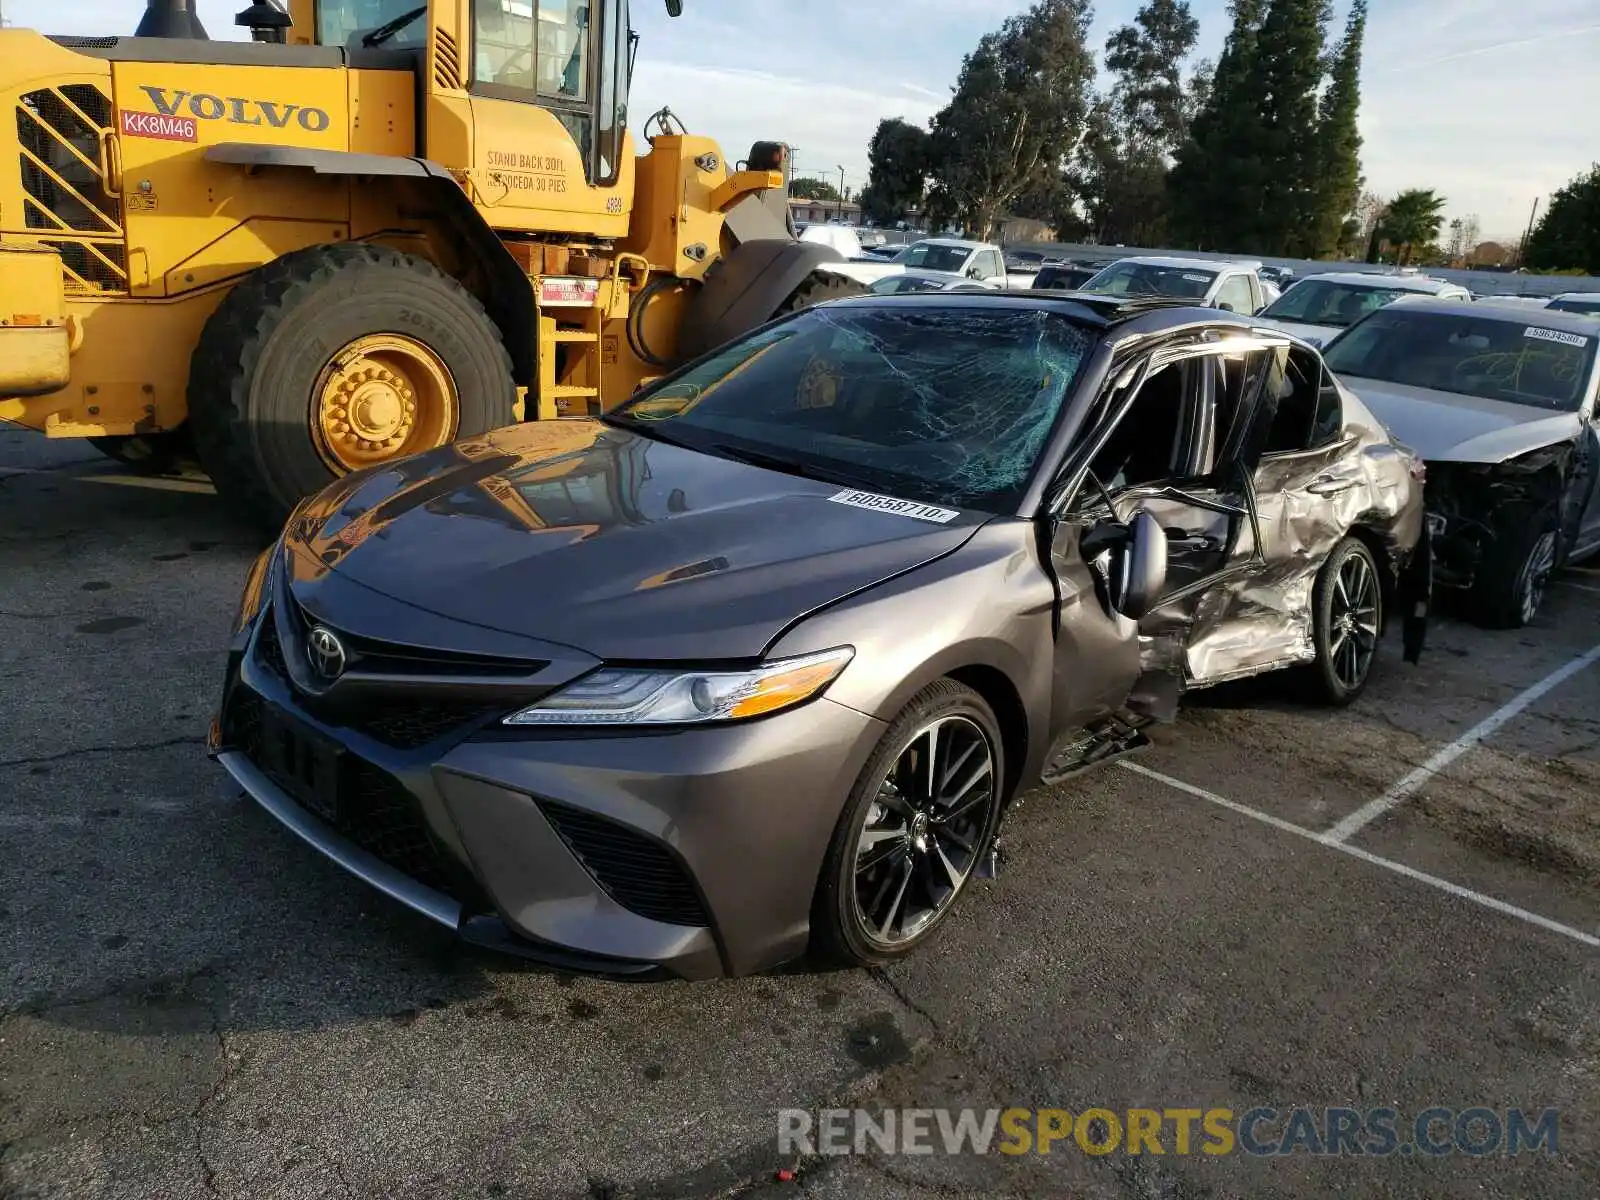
[375, 227]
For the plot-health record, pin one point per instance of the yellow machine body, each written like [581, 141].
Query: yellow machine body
[141, 179]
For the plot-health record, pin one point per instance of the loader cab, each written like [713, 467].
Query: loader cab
[569, 57]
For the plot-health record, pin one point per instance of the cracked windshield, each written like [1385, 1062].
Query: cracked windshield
[948, 405]
[799, 599]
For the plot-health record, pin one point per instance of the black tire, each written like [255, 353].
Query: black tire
[152, 453]
[839, 931]
[1346, 627]
[1515, 569]
[818, 288]
[253, 374]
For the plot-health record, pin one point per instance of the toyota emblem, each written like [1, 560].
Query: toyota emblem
[325, 652]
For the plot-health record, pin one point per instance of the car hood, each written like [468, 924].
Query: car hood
[597, 538]
[1450, 427]
[1317, 335]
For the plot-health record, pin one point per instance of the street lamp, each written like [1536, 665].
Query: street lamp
[841, 195]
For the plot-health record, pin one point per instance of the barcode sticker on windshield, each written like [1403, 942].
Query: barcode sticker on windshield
[899, 508]
[1197, 278]
[1556, 335]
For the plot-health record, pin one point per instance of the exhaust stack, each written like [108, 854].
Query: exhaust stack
[171, 19]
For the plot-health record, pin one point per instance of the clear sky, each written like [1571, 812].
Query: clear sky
[1491, 102]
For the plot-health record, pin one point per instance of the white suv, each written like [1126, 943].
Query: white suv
[1209, 283]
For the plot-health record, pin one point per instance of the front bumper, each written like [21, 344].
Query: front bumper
[696, 850]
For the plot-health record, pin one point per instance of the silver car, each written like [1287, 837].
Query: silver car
[1500, 400]
[1320, 307]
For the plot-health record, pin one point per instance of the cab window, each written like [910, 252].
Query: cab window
[346, 22]
[559, 54]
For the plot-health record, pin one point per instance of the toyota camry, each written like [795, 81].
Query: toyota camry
[754, 663]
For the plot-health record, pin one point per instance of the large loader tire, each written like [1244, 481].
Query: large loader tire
[335, 358]
[818, 288]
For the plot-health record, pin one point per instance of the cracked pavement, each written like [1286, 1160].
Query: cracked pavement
[193, 1004]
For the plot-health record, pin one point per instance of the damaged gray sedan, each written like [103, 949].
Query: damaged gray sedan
[1501, 404]
[756, 662]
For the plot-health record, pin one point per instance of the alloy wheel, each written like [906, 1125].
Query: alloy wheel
[923, 830]
[1353, 621]
[1536, 574]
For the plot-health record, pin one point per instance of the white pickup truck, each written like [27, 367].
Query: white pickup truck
[982, 261]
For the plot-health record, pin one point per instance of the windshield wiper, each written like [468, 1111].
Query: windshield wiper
[389, 28]
[787, 466]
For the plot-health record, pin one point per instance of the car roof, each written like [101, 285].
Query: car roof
[1590, 297]
[1194, 264]
[960, 243]
[1425, 284]
[1086, 308]
[1511, 314]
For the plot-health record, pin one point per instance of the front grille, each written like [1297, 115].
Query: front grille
[636, 871]
[66, 202]
[269, 651]
[370, 807]
[381, 817]
[405, 724]
[408, 725]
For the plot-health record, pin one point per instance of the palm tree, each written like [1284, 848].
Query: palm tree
[1413, 219]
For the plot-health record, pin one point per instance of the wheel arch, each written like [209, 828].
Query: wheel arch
[1002, 696]
[1383, 555]
[495, 278]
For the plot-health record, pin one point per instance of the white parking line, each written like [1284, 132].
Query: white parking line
[1578, 587]
[1433, 881]
[1373, 809]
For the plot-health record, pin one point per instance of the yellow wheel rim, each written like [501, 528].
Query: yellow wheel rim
[380, 397]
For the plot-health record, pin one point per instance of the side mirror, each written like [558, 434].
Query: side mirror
[974, 272]
[1139, 568]
[1226, 307]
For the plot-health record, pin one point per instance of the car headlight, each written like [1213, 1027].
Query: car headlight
[674, 696]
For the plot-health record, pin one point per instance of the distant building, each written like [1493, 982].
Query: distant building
[820, 212]
[1023, 229]
[1488, 254]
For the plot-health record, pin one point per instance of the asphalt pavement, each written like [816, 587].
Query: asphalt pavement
[194, 1004]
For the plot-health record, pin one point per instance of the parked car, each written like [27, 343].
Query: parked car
[1320, 307]
[886, 252]
[927, 281]
[1024, 262]
[1524, 302]
[1280, 277]
[759, 659]
[865, 269]
[1063, 276]
[976, 260]
[1501, 405]
[1577, 302]
[1231, 286]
